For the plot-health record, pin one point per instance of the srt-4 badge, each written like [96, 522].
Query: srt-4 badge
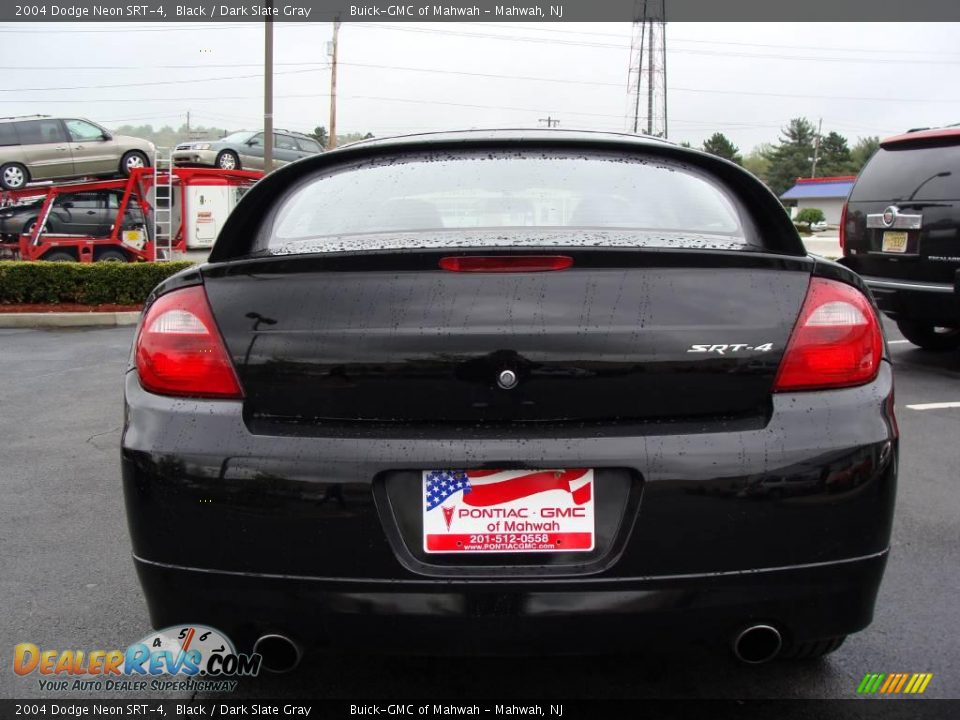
[733, 347]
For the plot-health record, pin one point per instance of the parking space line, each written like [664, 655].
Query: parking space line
[934, 406]
[896, 342]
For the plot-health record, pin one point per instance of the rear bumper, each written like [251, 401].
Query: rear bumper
[785, 521]
[603, 615]
[936, 303]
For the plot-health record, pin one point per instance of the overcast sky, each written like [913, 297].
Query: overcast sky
[745, 79]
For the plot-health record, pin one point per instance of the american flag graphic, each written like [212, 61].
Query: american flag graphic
[494, 487]
[441, 484]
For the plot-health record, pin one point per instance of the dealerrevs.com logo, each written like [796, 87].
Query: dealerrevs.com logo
[191, 657]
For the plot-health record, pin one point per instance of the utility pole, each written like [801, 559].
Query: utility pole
[332, 135]
[816, 149]
[550, 121]
[268, 89]
[188, 124]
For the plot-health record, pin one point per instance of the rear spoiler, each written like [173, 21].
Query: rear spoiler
[242, 232]
[923, 138]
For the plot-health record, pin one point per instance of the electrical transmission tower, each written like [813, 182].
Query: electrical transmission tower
[647, 79]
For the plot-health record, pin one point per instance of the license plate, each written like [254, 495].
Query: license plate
[508, 511]
[894, 242]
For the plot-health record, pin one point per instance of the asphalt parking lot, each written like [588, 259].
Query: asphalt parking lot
[66, 579]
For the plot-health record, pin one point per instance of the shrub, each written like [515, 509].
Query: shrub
[809, 216]
[83, 283]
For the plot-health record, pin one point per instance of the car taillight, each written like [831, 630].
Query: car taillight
[506, 263]
[843, 229]
[179, 350]
[837, 341]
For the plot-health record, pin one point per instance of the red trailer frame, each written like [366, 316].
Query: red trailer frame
[136, 189]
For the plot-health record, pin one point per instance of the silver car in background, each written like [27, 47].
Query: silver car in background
[243, 150]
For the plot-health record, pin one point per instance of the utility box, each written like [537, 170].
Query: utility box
[208, 203]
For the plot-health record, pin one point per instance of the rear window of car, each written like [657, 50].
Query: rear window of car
[897, 175]
[37, 132]
[8, 135]
[502, 190]
[308, 145]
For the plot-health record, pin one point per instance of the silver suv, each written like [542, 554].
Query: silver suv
[39, 147]
[243, 150]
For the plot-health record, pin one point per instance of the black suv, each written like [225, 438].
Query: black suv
[901, 231]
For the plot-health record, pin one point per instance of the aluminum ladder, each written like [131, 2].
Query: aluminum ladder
[163, 229]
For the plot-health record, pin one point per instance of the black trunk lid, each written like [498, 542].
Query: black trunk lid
[623, 335]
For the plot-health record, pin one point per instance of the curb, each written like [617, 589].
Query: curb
[68, 319]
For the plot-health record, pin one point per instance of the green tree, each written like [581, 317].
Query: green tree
[718, 144]
[320, 135]
[167, 136]
[352, 137]
[685, 144]
[791, 157]
[834, 156]
[757, 162]
[809, 216]
[862, 151]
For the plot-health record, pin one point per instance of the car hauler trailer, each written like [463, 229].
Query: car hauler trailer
[152, 214]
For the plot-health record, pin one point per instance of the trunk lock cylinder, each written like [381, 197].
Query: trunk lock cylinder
[507, 379]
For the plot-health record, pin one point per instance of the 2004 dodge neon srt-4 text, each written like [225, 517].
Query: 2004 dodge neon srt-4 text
[477, 385]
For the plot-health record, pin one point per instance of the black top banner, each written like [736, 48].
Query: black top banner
[854, 11]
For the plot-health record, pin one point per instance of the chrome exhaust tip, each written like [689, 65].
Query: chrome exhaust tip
[280, 654]
[757, 644]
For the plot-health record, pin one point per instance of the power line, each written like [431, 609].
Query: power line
[857, 98]
[702, 122]
[186, 66]
[159, 82]
[808, 58]
[830, 48]
[600, 83]
[322, 66]
[625, 46]
[580, 43]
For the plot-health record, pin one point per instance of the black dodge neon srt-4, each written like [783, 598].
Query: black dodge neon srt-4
[539, 391]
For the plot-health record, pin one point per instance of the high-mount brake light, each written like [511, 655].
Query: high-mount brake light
[179, 350]
[837, 341]
[505, 263]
